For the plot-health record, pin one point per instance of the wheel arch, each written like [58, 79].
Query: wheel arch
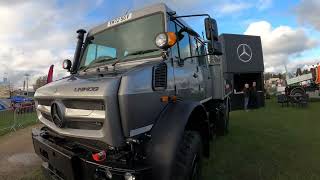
[168, 131]
[294, 88]
[198, 121]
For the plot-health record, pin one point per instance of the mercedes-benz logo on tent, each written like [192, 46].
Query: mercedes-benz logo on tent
[57, 114]
[244, 52]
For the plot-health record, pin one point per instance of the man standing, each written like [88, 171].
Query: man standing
[253, 95]
[246, 95]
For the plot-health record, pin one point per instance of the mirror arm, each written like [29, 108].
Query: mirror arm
[184, 59]
[186, 16]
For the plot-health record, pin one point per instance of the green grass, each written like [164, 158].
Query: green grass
[6, 121]
[271, 143]
[22, 120]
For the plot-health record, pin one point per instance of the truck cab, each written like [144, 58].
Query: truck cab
[140, 88]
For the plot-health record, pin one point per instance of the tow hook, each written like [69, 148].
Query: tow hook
[100, 156]
[133, 141]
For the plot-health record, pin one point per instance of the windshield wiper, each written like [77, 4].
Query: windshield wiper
[142, 52]
[136, 53]
[90, 65]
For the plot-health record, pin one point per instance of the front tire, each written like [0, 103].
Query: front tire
[297, 94]
[188, 158]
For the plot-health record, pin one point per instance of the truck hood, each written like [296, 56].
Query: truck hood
[80, 98]
[81, 95]
[91, 85]
[80, 87]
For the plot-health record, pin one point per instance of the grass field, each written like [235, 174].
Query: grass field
[271, 143]
[6, 120]
[22, 120]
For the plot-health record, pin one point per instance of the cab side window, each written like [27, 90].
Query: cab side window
[184, 46]
[201, 51]
[174, 49]
[194, 47]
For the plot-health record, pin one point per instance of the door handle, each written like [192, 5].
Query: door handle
[195, 75]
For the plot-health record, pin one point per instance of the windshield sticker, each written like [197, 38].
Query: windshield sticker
[119, 20]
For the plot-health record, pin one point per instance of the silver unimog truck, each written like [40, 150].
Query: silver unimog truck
[144, 98]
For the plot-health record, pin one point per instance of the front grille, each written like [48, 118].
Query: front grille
[160, 76]
[45, 102]
[84, 125]
[85, 104]
[47, 116]
[74, 124]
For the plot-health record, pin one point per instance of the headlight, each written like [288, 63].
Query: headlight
[129, 176]
[161, 40]
[166, 40]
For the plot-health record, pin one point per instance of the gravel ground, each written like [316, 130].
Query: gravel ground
[17, 156]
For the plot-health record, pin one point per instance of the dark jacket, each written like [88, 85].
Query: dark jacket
[246, 92]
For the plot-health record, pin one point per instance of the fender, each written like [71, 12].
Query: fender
[298, 87]
[166, 135]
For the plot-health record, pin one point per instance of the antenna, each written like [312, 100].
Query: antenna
[5, 78]
[27, 80]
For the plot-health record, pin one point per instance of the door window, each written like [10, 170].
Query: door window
[184, 46]
[202, 52]
[194, 47]
[175, 48]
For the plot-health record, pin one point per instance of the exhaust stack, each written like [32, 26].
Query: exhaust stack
[76, 59]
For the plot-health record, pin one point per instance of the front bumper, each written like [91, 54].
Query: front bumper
[62, 163]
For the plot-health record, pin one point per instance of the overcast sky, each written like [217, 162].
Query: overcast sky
[37, 33]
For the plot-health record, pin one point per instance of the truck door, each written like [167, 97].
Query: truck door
[186, 74]
[198, 48]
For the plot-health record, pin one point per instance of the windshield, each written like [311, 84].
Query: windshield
[128, 41]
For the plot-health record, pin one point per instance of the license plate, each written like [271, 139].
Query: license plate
[120, 20]
[61, 162]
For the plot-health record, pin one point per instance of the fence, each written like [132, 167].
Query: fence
[15, 118]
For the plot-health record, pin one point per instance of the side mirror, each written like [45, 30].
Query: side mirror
[67, 64]
[214, 46]
[211, 29]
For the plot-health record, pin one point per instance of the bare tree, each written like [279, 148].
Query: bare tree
[41, 81]
[298, 72]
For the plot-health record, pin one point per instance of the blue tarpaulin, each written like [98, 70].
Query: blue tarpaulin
[2, 107]
[20, 99]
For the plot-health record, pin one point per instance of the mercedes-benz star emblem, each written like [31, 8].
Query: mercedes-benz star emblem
[57, 114]
[244, 52]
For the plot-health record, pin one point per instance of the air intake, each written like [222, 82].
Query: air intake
[160, 77]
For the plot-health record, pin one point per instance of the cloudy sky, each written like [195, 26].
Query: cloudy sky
[37, 33]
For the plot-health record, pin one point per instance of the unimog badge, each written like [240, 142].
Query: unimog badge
[83, 89]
